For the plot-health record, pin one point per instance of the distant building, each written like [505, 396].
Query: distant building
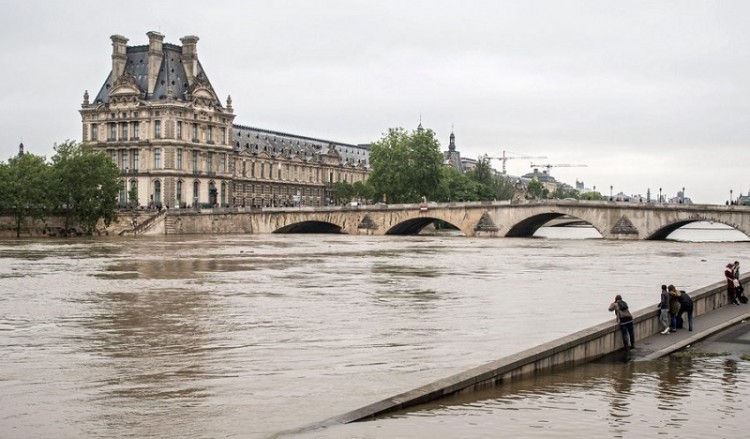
[159, 118]
[544, 177]
[452, 157]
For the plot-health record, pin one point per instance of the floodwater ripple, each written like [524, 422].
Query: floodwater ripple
[258, 336]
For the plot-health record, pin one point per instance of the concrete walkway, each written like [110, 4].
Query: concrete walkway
[705, 327]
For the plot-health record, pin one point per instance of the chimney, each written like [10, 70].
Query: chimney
[190, 57]
[119, 55]
[155, 55]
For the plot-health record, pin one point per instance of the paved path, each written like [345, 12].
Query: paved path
[726, 329]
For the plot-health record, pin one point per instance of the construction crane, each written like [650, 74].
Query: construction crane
[504, 158]
[560, 165]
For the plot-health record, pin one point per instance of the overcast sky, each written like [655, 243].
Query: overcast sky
[647, 94]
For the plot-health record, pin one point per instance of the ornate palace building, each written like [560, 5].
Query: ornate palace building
[162, 123]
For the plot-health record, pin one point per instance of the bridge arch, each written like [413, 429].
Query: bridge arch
[310, 227]
[665, 230]
[413, 226]
[529, 225]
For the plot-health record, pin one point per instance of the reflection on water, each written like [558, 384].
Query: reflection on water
[251, 336]
[699, 231]
[642, 399]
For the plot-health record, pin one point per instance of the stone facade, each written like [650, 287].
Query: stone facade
[159, 118]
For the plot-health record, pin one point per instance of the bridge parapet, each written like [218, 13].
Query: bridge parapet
[613, 220]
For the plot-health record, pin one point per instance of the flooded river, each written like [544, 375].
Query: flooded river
[265, 336]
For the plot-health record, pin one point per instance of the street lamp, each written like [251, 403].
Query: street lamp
[610, 192]
[683, 195]
[659, 195]
[730, 197]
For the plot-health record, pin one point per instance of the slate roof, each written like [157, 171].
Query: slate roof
[257, 140]
[171, 73]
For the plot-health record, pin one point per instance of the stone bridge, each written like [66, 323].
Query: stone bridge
[613, 220]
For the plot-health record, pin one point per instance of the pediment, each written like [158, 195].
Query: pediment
[125, 85]
[202, 93]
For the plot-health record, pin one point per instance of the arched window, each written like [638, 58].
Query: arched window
[196, 192]
[212, 195]
[157, 193]
[179, 193]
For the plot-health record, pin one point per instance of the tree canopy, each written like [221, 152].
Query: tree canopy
[406, 166]
[24, 185]
[86, 185]
[79, 184]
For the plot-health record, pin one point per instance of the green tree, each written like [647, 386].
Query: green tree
[536, 190]
[482, 171]
[25, 181]
[591, 196]
[406, 165]
[492, 185]
[342, 192]
[562, 192]
[504, 187]
[86, 185]
[363, 191]
[457, 187]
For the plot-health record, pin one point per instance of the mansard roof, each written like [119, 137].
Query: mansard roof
[171, 74]
[256, 140]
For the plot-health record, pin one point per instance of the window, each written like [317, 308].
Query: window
[179, 130]
[179, 192]
[179, 159]
[124, 131]
[244, 169]
[94, 131]
[196, 186]
[157, 158]
[125, 164]
[195, 132]
[135, 159]
[223, 162]
[113, 154]
[209, 134]
[262, 170]
[195, 161]
[209, 161]
[133, 195]
[157, 129]
[157, 192]
[112, 131]
[252, 169]
[136, 130]
[223, 136]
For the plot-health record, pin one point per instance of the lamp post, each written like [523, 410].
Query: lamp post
[659, 195]
[730, 197]
[683, 195]
[610, 191]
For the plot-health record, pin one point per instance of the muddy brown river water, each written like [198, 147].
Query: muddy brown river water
[265, 336]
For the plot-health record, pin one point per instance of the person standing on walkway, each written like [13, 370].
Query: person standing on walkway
[620, 307]
[739, 290]
[664, 310]
[731, 291]
[674, 309]
[686, 306]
